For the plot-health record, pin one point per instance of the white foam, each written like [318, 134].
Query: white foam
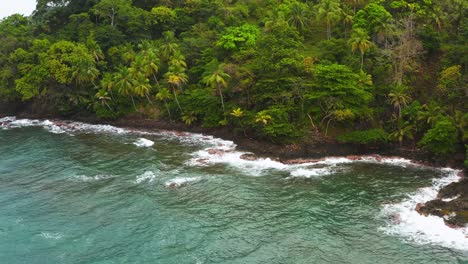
[198, 139]
[7, 119]
[421, 229]
[12, 122]
[451, 198]
[401, 162]
[233, 158]
[148, 176]
[181, 181]
[98, 177]
[90, 128]
[58, 127]
[54, 236]
[143, 142]
[310, 172]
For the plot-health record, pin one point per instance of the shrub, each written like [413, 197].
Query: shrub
[441, 138]
[371, 136]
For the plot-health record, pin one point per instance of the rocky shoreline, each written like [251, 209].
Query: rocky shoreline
[451, 203]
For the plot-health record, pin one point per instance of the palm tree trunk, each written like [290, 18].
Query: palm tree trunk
[112, 94]
[167, 108]
[133, 102]
[108, 106]
[177, 100]
[222, 99]
[362, 59]
[328, 124]
[147, 97]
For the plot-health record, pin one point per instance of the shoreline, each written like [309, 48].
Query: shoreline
[313, 149]
[451, 203]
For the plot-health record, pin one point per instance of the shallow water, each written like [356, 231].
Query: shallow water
[104, 196]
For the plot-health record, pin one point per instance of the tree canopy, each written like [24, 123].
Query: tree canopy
[358, 71]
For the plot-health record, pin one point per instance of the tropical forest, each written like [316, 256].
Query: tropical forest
[354, 77]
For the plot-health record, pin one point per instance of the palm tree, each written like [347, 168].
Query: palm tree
[107, 83]
[169, 45]
[217, 80]
[137, 65]
[124, 83]
[354, 4]
[298, 17]
[404, 130]
[176, 78]
[141, 87]
[384, 31]
[163, 95]
[103, 97]
[399, 97]
[150, 59]
[430, 113]
[347, 19]
[94, 48]
[329, 10]
[360, 40]
[84, 72]
[177, 60]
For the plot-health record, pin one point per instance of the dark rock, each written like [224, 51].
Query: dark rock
[218, 152]
[454, 211]
[202, 161]
[301, 161]
[248, 156]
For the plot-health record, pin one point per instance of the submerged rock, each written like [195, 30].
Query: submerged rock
[248, 156]
[301, 161]
[203, 161]
[218, 152]
[354, 157]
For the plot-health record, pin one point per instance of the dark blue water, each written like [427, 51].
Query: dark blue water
[99, 198]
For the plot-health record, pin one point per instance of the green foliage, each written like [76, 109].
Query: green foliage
[189, 118]
[272, 69]
[373, 18]
[163, 15]
[442, 138]
[244, 36]
[337, 87]
[203, 104]
[275, 124]
[333, 50]
[372, 136]
[466, 156]
[330, 12]
[69, 62]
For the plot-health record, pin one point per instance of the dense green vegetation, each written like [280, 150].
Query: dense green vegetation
[360, 71]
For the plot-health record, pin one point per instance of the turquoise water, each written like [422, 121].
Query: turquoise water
[99, 198]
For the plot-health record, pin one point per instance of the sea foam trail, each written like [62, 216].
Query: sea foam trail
[143, 142]
[84, 178]
[226, 153]
[420, 229]
[53, 236]
[148, 176]
[181, 181]
[12, 122]
[60, 126]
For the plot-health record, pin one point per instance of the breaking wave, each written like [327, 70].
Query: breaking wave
[409, 224]
[148, 176]
[143, 142]
[181, 181]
